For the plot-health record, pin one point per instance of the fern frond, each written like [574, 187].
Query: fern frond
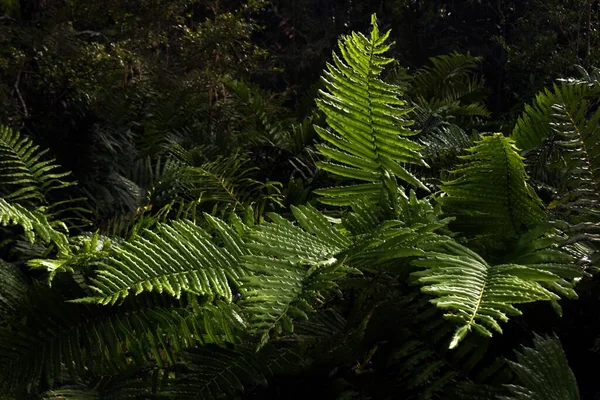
[99, 340]
[370, 142]
[291, 269]
[24, 174]
[476, 295]
[173, 258]
[33, 223]
[544, 372]
[449, 78]
[488, 194]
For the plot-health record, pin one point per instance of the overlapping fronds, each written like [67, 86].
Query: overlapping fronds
[224, 182]
[489, 194]
[369, 140]
[212, 372]
[418, 360]
[291, 268]
[541, 248]
[25, 174]
[173, 258]
[33, 223]
[560, 133]
[544, 372]
[475, 295]
[450, 78]
[59, 339]
[85, 252]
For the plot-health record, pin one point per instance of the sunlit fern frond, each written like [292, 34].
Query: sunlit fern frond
[34, 224]
[369, 142]
[488, 193]
[174, 258]
[25, 174]
[475, 295]
[559, 134]
[291, 269]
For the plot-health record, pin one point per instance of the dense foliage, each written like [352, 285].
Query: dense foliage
[202, 200]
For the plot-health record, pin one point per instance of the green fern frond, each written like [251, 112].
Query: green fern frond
[33, 223]
[544, 372]
[58, 339]
[488, 194]
[449, 78]
[476, 295]
[85, 252]
[370, 142]
[291, 269]
[24, 174]
[173, 258]
[224, 182]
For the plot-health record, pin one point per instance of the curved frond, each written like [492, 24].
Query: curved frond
[60, 339]
[33, 223]
[544, 372]
[450, 78]
[370, 139]
[489, 194]
[212, 372]
[291, 267]
[173, 258]
[475, 295]
[24, 174]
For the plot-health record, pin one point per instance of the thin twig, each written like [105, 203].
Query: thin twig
[18, 92]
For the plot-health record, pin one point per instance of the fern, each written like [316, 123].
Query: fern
[174, 258]
[13, 290]
[33, 223]
[24, 175]
[370, 144]
[211, 372]
[476, 295]
[451, 79]
[488, 193]
[97, 340]
[291, 269]
[544, 372]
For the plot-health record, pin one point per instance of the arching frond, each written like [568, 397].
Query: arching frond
[173, 258]
[57, 339]
[488, 194]
[24, 173]
[544, 372]
[475, 295]
[369, 142]
[450, 78]
[291, 269]
[33, 223]
[560, 133]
